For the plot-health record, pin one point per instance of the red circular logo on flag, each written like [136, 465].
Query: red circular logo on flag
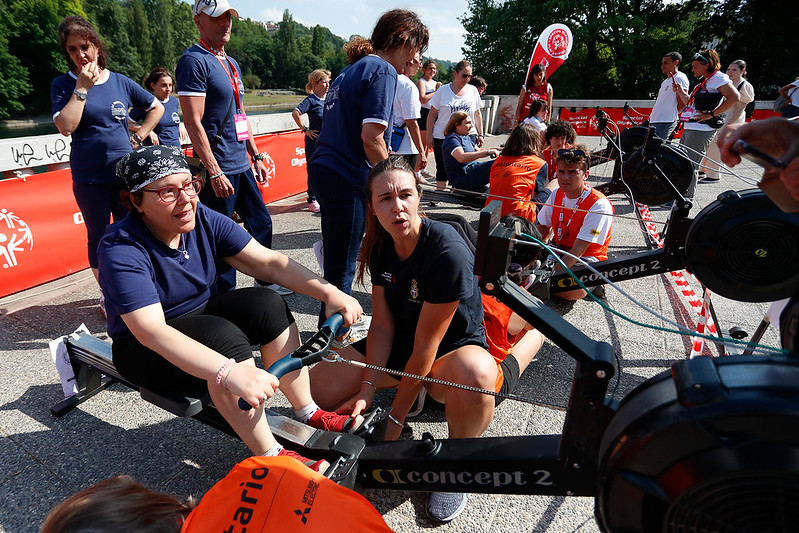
[558, 43]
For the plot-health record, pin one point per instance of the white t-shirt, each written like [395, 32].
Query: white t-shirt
[430, 87]
[665, 108]
[794, 94]
[712, 86]
[447, 103]
[406, 107]
[596, 223]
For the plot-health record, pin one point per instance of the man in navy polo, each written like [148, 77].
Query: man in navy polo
[211, 95]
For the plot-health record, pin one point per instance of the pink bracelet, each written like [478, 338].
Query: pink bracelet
[222, 374]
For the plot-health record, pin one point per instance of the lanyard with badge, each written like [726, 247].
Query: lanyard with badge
[689, 109]
[560, 229]
[239, 119]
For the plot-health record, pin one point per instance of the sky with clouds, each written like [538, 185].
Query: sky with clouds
[347, 17]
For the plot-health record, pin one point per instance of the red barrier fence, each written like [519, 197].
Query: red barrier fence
[584, 122]
[42, 236]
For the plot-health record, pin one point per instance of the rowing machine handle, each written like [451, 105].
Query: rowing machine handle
[309, 353]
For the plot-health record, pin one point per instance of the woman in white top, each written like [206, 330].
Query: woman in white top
[697, 134]
[737, 74]
[791, 94]
[450, 98]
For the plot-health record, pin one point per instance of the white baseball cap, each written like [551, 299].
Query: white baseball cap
[213, 8]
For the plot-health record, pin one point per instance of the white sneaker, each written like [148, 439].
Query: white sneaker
[282, 291]
[313, 206]
[444, 506]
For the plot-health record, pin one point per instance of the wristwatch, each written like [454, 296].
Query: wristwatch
[81, 96]
[259, 157]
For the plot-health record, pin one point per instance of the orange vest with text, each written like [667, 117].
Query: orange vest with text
[574, 220]
[281, 494]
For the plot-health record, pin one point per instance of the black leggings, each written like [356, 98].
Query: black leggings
[230, 324]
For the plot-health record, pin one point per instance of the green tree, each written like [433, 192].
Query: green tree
[140, 39]
[32, 33]
[287, 54]
[754, 31]
[617, 44]
[111, 21]
[14, 83]
[318, 41]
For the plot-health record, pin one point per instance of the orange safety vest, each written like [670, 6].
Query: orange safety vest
[570, 227]
[281, 494]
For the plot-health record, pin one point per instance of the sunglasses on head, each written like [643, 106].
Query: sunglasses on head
[700, 57]
[568, 152]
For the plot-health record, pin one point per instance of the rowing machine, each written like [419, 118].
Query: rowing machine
[711, 445]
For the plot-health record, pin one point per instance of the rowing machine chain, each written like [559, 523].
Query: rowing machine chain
[336, 358]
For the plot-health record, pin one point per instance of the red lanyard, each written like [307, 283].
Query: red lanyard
[234, 79]
[583, 196]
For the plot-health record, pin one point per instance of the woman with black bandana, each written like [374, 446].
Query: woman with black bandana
[172, 332]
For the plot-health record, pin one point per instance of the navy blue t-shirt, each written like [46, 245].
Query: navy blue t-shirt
[440, 270]
[313, 106]
[451, 165]
[137, 269]
[102, 136]
[168, 128]
[362, 93]
[200, 73]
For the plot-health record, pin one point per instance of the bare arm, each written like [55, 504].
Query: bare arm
[262, 263]
[416, 137]
[520, 104]
[478, 125]
[424, 98]
[433, 323]
[151, 120]
[373, 143]
[579, 248]
[193, 110]
[431, 120]
[378, 350]
[69, 117]
[467, 157]
[149, 326]
[550, 94]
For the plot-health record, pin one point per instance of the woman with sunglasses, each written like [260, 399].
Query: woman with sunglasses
[702, 110]
[458, 95]
[172, 332]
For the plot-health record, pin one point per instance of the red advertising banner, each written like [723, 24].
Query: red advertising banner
[584, 121]
[285, 164]
[42, 236]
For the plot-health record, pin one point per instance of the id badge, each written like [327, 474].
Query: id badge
[242, 130]
[687, 113]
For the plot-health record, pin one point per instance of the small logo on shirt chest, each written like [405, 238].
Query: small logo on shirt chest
[414, 290]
